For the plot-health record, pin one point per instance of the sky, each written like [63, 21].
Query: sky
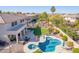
[39, 9]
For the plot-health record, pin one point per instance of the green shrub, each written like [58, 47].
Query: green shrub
[70, 44]
[37, 31]
[44, 31]
[61, 35]
[75, 50]
[56, 31]
[64, 38]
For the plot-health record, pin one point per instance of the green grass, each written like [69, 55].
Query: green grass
[40, 31]
[44, 31]
[75, 50]
[37, 51]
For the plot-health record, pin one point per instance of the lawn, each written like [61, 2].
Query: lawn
[44, 31]
[40, 31]
[75, 50]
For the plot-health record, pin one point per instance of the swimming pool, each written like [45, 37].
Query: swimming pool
[32, 46]
[49, 45]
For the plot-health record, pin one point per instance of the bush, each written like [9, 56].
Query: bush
[69, 44]
[75, 50]
[64, 38]
[44, 31]
[61, 35]
[56, 32]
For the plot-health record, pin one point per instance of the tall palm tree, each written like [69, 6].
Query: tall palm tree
[64, 38]
[52, 9]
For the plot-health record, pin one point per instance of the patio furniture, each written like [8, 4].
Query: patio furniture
[26, 39]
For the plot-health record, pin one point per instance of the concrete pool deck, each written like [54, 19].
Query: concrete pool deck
[27, 50]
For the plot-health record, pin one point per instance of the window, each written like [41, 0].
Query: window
[14, 23]
[22, 20]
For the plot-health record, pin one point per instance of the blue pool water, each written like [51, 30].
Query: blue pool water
[32, 46]
[49, 45]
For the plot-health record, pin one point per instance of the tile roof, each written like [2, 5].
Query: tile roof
[7, 18]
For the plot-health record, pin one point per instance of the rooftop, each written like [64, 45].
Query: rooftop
[16, 27]
[7, 18]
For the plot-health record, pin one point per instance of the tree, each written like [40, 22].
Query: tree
[43, 16]
[64, 38]
[57, 19]
[37, 32]
[50, 29]
[53, 9]
[0, 11]
[8, 12]
[33, 12]
[76, 22]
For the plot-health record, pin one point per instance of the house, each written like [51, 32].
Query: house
[77, 32]
[70, 17]
[13, 27]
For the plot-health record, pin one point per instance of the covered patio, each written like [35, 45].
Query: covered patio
[17, 32]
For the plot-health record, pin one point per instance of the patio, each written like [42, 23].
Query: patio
[13, 48]
[17, 32]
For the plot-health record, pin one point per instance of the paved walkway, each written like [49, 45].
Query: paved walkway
[27, 50]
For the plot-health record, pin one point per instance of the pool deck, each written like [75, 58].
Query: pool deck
[27, 50]
[13, 48]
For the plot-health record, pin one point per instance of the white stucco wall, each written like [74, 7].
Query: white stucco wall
[1, 20]
[4, 38]
[70, 19]
[4, 27]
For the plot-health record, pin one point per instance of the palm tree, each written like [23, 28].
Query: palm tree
[52, 9]
[64, 38]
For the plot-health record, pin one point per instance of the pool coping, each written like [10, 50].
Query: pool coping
[27, 50]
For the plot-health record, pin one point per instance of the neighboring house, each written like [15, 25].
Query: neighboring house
[13, 27]
[71, 17]
[77, 32]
